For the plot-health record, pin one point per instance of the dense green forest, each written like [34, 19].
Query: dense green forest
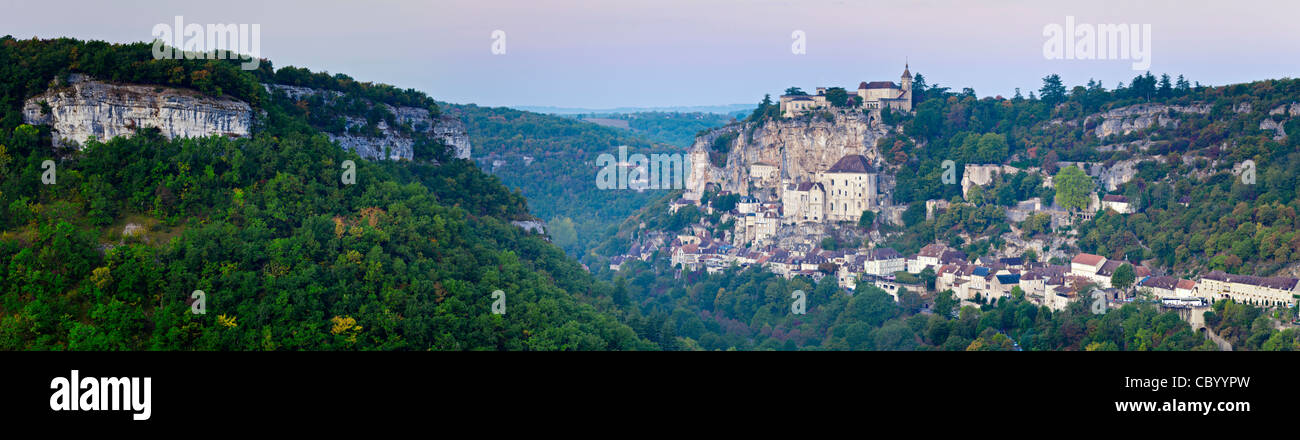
[287, 256]
[551, 160]
[750, 309]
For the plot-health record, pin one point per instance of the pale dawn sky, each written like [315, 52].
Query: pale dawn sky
[602, 54]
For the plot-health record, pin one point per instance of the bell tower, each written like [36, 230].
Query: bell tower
[906, 82]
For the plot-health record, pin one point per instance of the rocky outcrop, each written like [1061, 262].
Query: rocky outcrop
[1279, 132]
[391, 143]
[1121, 172]
[1132, 118]
[531, 226]
[799, 147]
[1294, 109]
[976, 174]
[85, 107]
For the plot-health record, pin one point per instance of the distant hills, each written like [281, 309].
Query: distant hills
[718, 109]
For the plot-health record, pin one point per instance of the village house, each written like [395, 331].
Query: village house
[1167, 287]
[802, 203]
[1087, 266]
[883, 262]
[1116, 203]
[764, 174]
[927, 257]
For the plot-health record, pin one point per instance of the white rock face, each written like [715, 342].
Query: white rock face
[534, 226]
[1270, 124]
[86, 107]
[799, 147]
[390, 144]
[1282, 109]
[1125, 120]
[976, 174]
[1119, 173]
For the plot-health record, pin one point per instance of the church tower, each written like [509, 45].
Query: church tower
[906, 82]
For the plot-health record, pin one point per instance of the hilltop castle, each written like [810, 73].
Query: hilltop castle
[870, 95]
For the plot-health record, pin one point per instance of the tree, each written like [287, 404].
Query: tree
[1073, 188]
[563, 234]
[867, 218]
[828, 243]
[1123, 277]
[1053, 91]
[837, 96]
[945, 304]
[795, 91]
[1049, 162]
[620, 291]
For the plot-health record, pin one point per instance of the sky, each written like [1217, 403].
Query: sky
[658, 53]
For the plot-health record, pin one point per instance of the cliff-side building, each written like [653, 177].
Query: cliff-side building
[874, 95]
[803, 202]
[850, 188]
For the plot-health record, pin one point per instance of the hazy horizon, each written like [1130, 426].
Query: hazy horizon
[677, 53]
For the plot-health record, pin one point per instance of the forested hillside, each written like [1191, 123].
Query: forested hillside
[552, 161]
[287, 256]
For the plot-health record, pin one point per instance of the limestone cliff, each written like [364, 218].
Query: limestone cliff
[391, 143]
[1124, 120]
[85, 107]
[799, 147]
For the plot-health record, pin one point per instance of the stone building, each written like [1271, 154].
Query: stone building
[803, 202]
[1249, 289]
[850, 188]
[841, 193]
[874, 95]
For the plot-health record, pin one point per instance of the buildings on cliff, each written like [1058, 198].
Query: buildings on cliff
[870, 95]
[841, 193]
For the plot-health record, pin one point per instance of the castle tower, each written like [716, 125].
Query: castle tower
[906, 82]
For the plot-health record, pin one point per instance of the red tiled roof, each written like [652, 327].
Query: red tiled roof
[1088, 259]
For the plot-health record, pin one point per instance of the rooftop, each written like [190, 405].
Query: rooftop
[1282, 283]
[853, 163]
[1088, 259]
